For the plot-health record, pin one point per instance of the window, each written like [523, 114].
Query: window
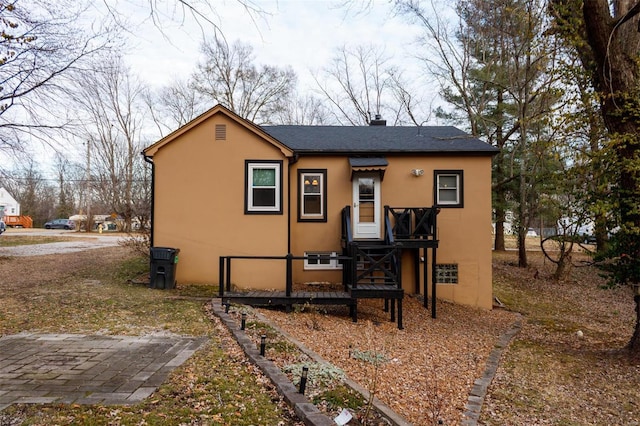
[448, 188]
[312, 199]
[263, 187]
[322, 260]
[447, 273]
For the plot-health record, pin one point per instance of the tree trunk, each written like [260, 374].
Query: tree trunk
[634, 343]
[614, 47]
[499, 236]
[606, 37]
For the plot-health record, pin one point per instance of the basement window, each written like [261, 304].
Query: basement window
[447, 273]
[322, 260]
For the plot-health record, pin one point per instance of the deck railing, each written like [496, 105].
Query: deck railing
[411, 222]
[225, 269]
[347, 232]
[377, 264]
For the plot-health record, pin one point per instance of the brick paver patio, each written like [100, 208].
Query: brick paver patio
[86, 369]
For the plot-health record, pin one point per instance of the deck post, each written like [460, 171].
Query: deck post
[399, 266]
[289, 275]
[393, 310]
[221, 278]
[400, 326]
[354, 265]
[416, 269]
[425, 277]
[433, 284]
[228, 273]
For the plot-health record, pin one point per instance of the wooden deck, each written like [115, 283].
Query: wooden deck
[280, 298]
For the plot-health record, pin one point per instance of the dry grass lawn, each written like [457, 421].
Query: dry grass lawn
[548, 375]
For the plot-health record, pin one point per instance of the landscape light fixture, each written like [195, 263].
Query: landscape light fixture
[303, 379]
[263, 344]
[243, 321]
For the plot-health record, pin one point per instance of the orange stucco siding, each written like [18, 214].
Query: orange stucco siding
[199, 205]
[464, 233]
[200, 208]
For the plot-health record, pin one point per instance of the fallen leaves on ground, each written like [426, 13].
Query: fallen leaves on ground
[424, 372]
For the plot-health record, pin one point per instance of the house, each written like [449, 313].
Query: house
[225, 189]
[8, 205]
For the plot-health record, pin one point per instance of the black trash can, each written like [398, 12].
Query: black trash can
[163, 267]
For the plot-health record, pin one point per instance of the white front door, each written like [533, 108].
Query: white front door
[366, 206]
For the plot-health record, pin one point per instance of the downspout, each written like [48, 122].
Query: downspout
[153, 193]
[292, 160]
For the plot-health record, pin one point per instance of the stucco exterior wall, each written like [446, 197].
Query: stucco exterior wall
[200, 202]
[464, 233]
[200, 209]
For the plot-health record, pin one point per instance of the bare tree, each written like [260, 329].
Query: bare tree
[166, 13]
[111, 101]
[303, 110]
[37, 197]
[227, 75]
[360, 84]
[493, 70]
[174, 105]
[41, 45]
[65, 206]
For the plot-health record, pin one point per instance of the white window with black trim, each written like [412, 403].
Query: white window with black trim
[263, 187]
[322, 260]
[448, 188]
[313, 196]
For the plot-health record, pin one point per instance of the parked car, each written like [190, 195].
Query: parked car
[531, 232]
[60, 224]
[3, 227]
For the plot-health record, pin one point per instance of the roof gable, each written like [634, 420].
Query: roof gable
[151, 150]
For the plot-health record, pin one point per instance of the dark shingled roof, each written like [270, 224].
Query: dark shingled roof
[378, 139]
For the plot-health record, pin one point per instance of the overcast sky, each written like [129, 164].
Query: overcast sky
[304, 34]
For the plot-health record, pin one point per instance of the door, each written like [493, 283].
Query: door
[366, 206]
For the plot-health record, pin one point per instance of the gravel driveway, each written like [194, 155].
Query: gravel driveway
[81, 242]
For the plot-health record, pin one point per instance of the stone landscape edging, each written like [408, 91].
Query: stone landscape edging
[305, 410]
[309, 413]
[481, 386]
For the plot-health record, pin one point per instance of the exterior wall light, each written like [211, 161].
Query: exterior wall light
[417, 172]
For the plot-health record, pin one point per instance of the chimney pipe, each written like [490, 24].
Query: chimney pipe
[378, 121]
